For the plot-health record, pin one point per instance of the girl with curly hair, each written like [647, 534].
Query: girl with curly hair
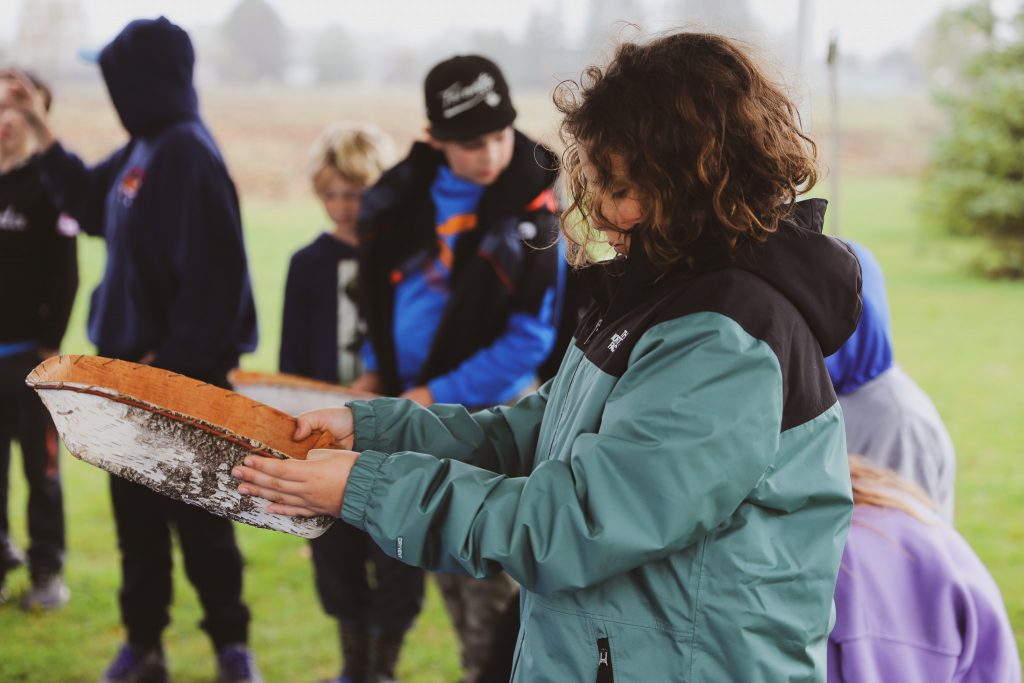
[674, 501]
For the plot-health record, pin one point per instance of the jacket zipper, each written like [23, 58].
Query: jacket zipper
[604, 661]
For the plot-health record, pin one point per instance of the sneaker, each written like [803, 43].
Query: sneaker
[134, 665]
[48, 592]
[235, 664]
[11, 556]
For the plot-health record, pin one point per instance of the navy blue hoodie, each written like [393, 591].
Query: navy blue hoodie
[176, 281]
[310, 325]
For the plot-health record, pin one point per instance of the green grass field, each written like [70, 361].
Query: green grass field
[958, 336]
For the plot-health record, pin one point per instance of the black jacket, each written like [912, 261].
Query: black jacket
[38, 264]
[495, 271]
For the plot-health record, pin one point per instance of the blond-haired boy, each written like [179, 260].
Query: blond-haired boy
[321, 338]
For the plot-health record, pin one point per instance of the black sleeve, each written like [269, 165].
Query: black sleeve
[78, 189]
[61, 286]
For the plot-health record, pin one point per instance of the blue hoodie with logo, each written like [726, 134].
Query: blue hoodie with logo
[176, 281]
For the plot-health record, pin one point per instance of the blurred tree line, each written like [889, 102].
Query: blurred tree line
[975, 185]
[253, 44]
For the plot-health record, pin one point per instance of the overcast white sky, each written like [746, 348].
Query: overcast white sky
[867, 28]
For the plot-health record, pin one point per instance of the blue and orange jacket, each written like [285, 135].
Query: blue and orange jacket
[504, 276]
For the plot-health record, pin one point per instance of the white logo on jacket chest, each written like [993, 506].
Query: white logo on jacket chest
[12, 220]
[617, 339]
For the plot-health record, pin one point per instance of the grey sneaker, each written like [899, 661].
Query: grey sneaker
[133, 665]
[49, 592]
[11, 556]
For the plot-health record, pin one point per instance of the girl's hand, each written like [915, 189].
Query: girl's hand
[337, 421]
[299, 488]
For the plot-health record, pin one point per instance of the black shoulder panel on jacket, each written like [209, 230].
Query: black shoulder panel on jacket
[761, 310]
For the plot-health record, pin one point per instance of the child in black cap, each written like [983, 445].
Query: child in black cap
[461, 294]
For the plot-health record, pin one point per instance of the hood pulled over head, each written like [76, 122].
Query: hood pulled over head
[148, 72]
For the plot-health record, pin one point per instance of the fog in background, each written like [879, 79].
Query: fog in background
[883, 45]
[272, 73]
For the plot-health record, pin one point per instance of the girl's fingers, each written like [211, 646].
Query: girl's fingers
[324, 453]
[306, 422]
[291, 510]
[336, 419]
[302, 428]
[271, 495]
[273, 474]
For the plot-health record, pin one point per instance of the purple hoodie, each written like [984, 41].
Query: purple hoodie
[914, 604]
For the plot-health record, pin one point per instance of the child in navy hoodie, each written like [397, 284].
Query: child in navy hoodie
[321, 336]
[176, 294]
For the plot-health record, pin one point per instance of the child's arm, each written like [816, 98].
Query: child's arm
[75, 188]
[501, 370]
[501, 439]
[78, 189]
[61, 287]
[300, 487]
[504, 367]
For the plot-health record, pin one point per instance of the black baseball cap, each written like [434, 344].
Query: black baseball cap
[467, 96]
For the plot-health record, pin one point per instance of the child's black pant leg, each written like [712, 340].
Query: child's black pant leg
[26, 419]
[339, 567]
[398, 597]
[213, 564]
[144, 539]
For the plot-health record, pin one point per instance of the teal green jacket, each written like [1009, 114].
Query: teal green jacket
[675, 501]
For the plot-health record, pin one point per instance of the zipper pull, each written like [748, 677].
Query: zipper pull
[604, 661]
[593, 331]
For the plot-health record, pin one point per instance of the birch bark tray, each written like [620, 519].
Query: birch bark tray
[173, 434]
[292, 394]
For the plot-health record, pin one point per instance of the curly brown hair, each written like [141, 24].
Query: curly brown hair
[708, 140]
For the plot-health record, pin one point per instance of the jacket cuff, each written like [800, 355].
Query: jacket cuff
[366, 427]
[360, 485]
